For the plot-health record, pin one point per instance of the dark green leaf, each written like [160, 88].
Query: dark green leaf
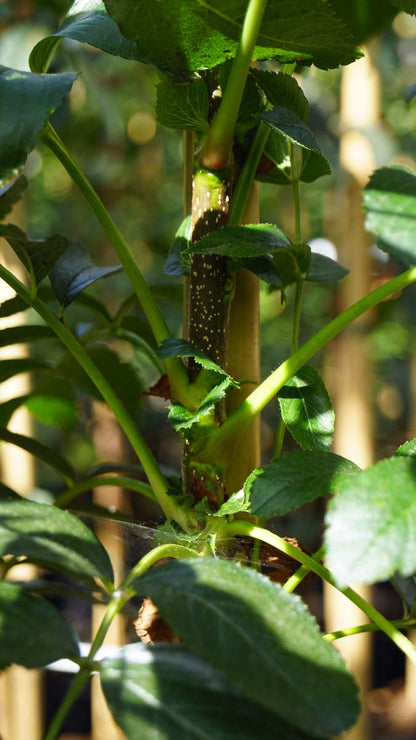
[12, 195]
[263, 267]
[406, 588]
[408, 6]
[178, 260]
[251, 107]
[56, 538]
[325, 270]
[7, 409]
[38, 256]
[87, 22]
[261, 638]
[240, 242]
[12, 306]
[285, 122]
[295, 479]
[181, 348]
[407, 448]
[183, 37]
[145, 689]
[6, 492]
[25, 333]
[283, 90]
[307, 410]
[390, 204]
[9, 368]
[32, 632]
[183, 106]
[371, 525]
[74, 271]
[314, 166]
[26, 103]
[364, 18]
[48, 456]
[286, 267]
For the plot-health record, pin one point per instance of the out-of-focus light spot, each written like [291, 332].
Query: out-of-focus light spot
[78, 95]
[378, 255]
[324, 247]
[141, 128]
[57, 180]
[390, 402]
[405, 26]
[34, 164]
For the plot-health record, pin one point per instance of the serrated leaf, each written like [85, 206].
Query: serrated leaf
[32, 631]
[286, 123]
[390, 204]
[25, 333]
[242, 242]
[183, 37]
[12, 195]
[282, 90]
[88, 22]
[237, 502]
[145, 688]
[261, 639]
[55, 538]
[314, 166]
[174, 347]
[74, 271]
[183, 106]
[295, 479]
[47, 455]
[407, 449]
[371, 526]
[178, 260]
[9, 368]
[307, 410]
[325, 270]
[26, 103]
[37, 255]
[181, 418]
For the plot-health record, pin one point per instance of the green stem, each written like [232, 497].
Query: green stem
[296, 194]
[241, 418]
[179, 552]
[245, 179]
[246, 529]
[293, 582]
[368, 627]
[176, 372]
[280, 436]
[296, 315]
[83, 676]
[216, 152]
[112, 480]
[157, 481]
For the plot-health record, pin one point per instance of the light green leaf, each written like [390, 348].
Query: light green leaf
[53, 402]
[390, 204]
[262, 639]
[307, 410]
[38, 256]
[241, 242]
[145, 688]
[26, 103]
[184, 36]
[295, 479]
[32, 631]
[47, 455]
[181, 418]
[282, 90]
[371, 526]
[407, 449]
[183, 106]
[74, 271]
[52, 537]
[237, 502]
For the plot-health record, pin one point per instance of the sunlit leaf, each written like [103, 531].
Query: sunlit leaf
[183, 106]
[38, 256]
[307, 410]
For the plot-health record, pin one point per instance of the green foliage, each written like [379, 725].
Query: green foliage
[307, 410]
[183, 106]
[38, 256]
[74, 271]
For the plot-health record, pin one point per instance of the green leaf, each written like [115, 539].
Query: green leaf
[261, 639]
[314, 166]
[371, 526]
[286, 123]
[184, 37]
[145, 688]
[8, 493]
[390, 204]
[53, 402]
[240, 242]
[237, 502]
[307, 410]
[38, 256]
[25, 333]
[363, 19]
[7, 408]
[87, 22]
[182, 348]
[52, 537]
[178, 260]
[32, 632]
[47, 455]
[12, 306]
[407, 449]
[263, 267]
[283, 90]
[406, 589]
[183, 106]
[181, 418]
[295, 479]
[9, 368]
[26, 103]
[12, 195]
[74, 271]
[325, 270]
